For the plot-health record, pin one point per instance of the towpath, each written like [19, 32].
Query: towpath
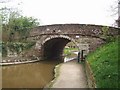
[71, 75]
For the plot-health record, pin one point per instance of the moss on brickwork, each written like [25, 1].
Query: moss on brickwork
[17, 47]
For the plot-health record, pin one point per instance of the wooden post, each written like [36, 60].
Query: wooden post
[78, 56]
[82, 57]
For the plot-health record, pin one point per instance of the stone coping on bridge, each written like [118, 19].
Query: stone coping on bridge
[79, 24]
[71, 30]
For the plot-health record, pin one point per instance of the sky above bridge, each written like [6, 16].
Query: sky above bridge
[68, 11]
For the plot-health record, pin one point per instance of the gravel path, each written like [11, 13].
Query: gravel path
[72, 75]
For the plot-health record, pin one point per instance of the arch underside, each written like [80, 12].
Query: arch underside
[53, 48]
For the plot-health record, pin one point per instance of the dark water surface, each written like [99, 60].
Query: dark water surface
[31, 75]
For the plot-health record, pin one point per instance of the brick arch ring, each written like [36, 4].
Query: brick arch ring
[60, 36]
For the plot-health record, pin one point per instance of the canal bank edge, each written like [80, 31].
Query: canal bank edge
[90, 78]
[88, 71]
[14, 63]
[56, 75]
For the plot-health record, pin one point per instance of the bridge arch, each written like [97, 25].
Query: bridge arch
[52, 47]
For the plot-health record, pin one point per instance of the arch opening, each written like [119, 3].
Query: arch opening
[53, 48]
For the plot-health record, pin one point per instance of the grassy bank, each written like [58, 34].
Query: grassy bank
[104, 64]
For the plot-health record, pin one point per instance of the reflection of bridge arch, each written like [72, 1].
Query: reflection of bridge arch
[53, 46]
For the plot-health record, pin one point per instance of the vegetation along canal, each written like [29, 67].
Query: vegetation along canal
[31, 75]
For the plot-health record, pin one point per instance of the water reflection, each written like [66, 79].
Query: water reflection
[32, 75]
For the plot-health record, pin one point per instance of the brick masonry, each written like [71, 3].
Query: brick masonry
[51, 37]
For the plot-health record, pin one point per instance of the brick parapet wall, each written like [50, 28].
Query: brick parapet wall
[81, 29]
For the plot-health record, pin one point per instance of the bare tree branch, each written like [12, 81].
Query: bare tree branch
[5, 1]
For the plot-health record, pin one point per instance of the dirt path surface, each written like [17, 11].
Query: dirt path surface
[71, 75]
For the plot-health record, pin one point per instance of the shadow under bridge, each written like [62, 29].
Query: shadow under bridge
[53, 48]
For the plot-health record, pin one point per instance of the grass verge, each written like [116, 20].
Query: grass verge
[104, 64]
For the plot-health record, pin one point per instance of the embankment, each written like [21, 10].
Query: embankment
[104, 66]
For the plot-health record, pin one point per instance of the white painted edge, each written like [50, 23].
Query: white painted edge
[2, 64]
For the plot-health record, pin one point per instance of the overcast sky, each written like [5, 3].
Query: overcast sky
[68, 11]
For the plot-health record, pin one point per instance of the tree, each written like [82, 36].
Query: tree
[5, 15]
[14, 25]
[118, 21]
[22, 26]
[115, 8]
[18, 27]
[4, 1]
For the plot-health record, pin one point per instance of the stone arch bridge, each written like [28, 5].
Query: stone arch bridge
[51, 39]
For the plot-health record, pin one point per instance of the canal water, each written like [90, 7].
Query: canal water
[31, 75]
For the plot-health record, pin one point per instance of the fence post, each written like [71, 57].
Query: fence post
[78, 56]
[82, 57]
